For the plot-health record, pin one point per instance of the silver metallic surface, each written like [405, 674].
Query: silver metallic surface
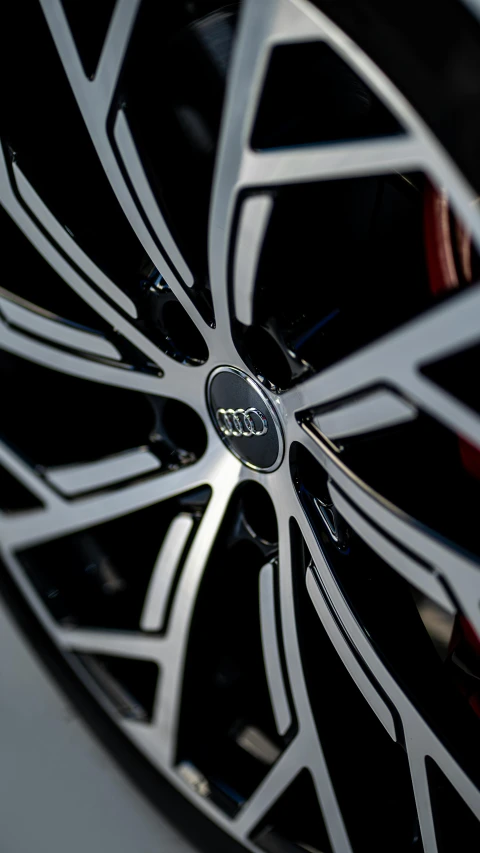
[393, 361]
[378, 410]
[88, 476]
[241, 422]
[164, 570]
[126, 147]
[254, 218]
[271, 653]
[35, 204]
[48, 326]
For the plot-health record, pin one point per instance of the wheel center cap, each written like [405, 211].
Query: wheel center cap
[245, 419]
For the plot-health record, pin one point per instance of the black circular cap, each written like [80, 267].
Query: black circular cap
[245, 418]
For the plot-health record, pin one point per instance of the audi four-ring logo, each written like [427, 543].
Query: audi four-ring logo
[244, 422]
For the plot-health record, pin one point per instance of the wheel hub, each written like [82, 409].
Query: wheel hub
[245, 419]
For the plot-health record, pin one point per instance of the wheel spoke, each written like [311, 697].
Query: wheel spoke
[138, 179]
[415, 572]
[158, 739]
[271, 655]
[27, 317]
[73, 480]
[422, 798]
[314, 581]
[238, 167]
[420, 738]
[282, 773]
[25, 475]
[285, 506]
[173, 383]
[71, 248]
[224, 477]
[67, 272]
[125, 644]
[422, 745]
[168, 651]
[301, 753]
[175, 376]
[113, 52]
[345, 159]
[166, 565]
[395, 359]
[364, 684]
[34, 526]
[94, 100]
[376, 410]
[254, 219]
[87, 368]
[419, 556]
[259, 24]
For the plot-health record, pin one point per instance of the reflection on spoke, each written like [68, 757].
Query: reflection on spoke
[173, 546]
[349, 659]
[110, 643]
[63, 239]
[75, 479]
[271, 651]
[62, 518]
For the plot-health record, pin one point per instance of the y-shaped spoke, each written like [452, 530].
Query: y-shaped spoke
[94, 98]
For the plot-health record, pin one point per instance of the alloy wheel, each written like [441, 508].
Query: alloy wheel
[239, 459]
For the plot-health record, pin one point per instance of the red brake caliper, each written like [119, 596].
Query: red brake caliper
[448, 250]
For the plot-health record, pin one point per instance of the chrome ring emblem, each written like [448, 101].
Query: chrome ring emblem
[240, 409]
[246, 422]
